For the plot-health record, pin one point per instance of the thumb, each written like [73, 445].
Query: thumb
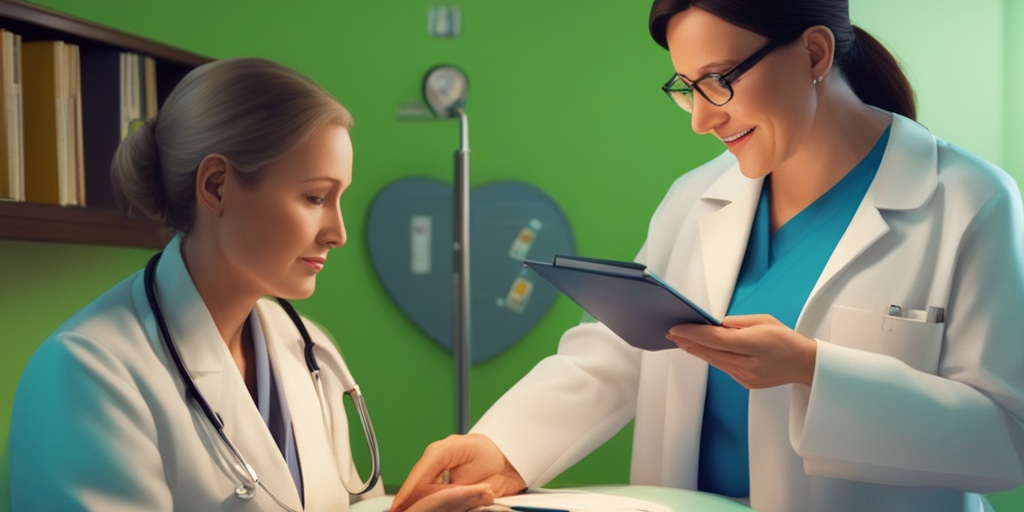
[741, 321]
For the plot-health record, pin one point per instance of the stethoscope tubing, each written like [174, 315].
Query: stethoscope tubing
[246, 490]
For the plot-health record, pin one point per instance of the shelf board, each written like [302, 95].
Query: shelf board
[36, 22]
[77, 225]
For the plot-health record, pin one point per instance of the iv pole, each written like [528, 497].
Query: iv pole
[445, 89]
[460, 276]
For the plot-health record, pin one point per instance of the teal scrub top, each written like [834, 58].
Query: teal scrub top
[778, 272]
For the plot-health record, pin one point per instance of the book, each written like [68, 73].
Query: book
[51, 117]
[634, 303]
[12, 166]
[74, 167]
[118, 94]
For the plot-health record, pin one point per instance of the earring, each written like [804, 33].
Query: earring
[816, 80]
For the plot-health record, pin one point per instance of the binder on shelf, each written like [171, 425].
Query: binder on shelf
[12, 165]
[51, 117]
[74, 167]
[118, 94]
[635, 304]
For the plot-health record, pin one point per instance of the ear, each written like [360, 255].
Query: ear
[820, 43]
[210, 179]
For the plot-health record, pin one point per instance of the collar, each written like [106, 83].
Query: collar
[188, 320]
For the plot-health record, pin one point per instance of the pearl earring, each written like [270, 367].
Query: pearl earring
[816, 80]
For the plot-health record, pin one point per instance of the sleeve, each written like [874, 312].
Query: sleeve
[82, 437]
[871, 417]
[567, 406]
[574, 401]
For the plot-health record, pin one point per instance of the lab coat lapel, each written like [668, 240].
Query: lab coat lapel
[907, 178]
[189, 322]
[209, 362]
[285, 347]
[724, 234]
[728, 204]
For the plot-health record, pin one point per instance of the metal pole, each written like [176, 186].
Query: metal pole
[460, 347]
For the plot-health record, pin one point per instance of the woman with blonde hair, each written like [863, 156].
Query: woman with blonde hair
[183, 387]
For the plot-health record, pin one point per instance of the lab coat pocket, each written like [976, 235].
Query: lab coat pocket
[915, 342]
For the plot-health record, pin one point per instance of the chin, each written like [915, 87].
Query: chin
[300, 293]
[752, 172]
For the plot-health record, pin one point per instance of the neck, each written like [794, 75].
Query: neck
[841, 135]
[224, 296]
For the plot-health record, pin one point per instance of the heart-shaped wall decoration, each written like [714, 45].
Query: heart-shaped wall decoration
[410, 231]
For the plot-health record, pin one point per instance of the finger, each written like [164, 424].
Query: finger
[408, 496]
[423, 478]
[690, 331]
[689, 336]
[456, 498]
[741, 321]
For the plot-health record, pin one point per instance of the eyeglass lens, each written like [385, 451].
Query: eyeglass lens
[713, 87]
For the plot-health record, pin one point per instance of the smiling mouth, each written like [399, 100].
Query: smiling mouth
[733, 138]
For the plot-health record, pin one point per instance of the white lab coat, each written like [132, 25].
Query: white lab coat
[100, 421]
[902, 415]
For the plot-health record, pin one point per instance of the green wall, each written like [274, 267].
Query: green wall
[1013, 64]
[562, 98]
[572, 106]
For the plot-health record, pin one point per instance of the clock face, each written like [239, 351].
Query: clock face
[444, 88]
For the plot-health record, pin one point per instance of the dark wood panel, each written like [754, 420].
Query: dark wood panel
[71, 224]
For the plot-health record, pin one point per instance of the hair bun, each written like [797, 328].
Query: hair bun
[135, 173]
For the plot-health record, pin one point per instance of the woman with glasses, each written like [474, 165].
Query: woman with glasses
[182, 387]
[870, 277]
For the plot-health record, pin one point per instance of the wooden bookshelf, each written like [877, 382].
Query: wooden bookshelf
[84, 225]
[77, 225]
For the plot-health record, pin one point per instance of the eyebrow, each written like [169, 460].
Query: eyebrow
[322, 178]
[723, 65]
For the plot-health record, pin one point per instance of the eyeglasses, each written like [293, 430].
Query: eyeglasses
[715, 87]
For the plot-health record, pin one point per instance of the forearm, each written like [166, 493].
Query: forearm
[567, 405]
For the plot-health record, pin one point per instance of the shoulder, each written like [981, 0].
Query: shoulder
[108, 331]
[921, 169]
[962, 171]
[99, 355]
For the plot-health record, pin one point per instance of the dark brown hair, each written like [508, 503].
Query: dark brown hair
[872, 72]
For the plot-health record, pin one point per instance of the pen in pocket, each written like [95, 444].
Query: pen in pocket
[933, 315]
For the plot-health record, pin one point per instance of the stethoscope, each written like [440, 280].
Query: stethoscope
[249, 480]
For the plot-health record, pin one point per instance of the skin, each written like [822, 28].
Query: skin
[248, 242]
[471, 460]
[791, 116]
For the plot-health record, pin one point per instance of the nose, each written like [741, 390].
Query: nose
[705, 116]
[332, 232]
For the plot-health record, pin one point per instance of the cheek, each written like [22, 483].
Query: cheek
[264, 228]
[782, 112]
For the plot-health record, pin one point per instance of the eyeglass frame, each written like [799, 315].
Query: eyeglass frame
[726, 79]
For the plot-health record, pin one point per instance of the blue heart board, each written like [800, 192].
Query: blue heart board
[410, 233]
